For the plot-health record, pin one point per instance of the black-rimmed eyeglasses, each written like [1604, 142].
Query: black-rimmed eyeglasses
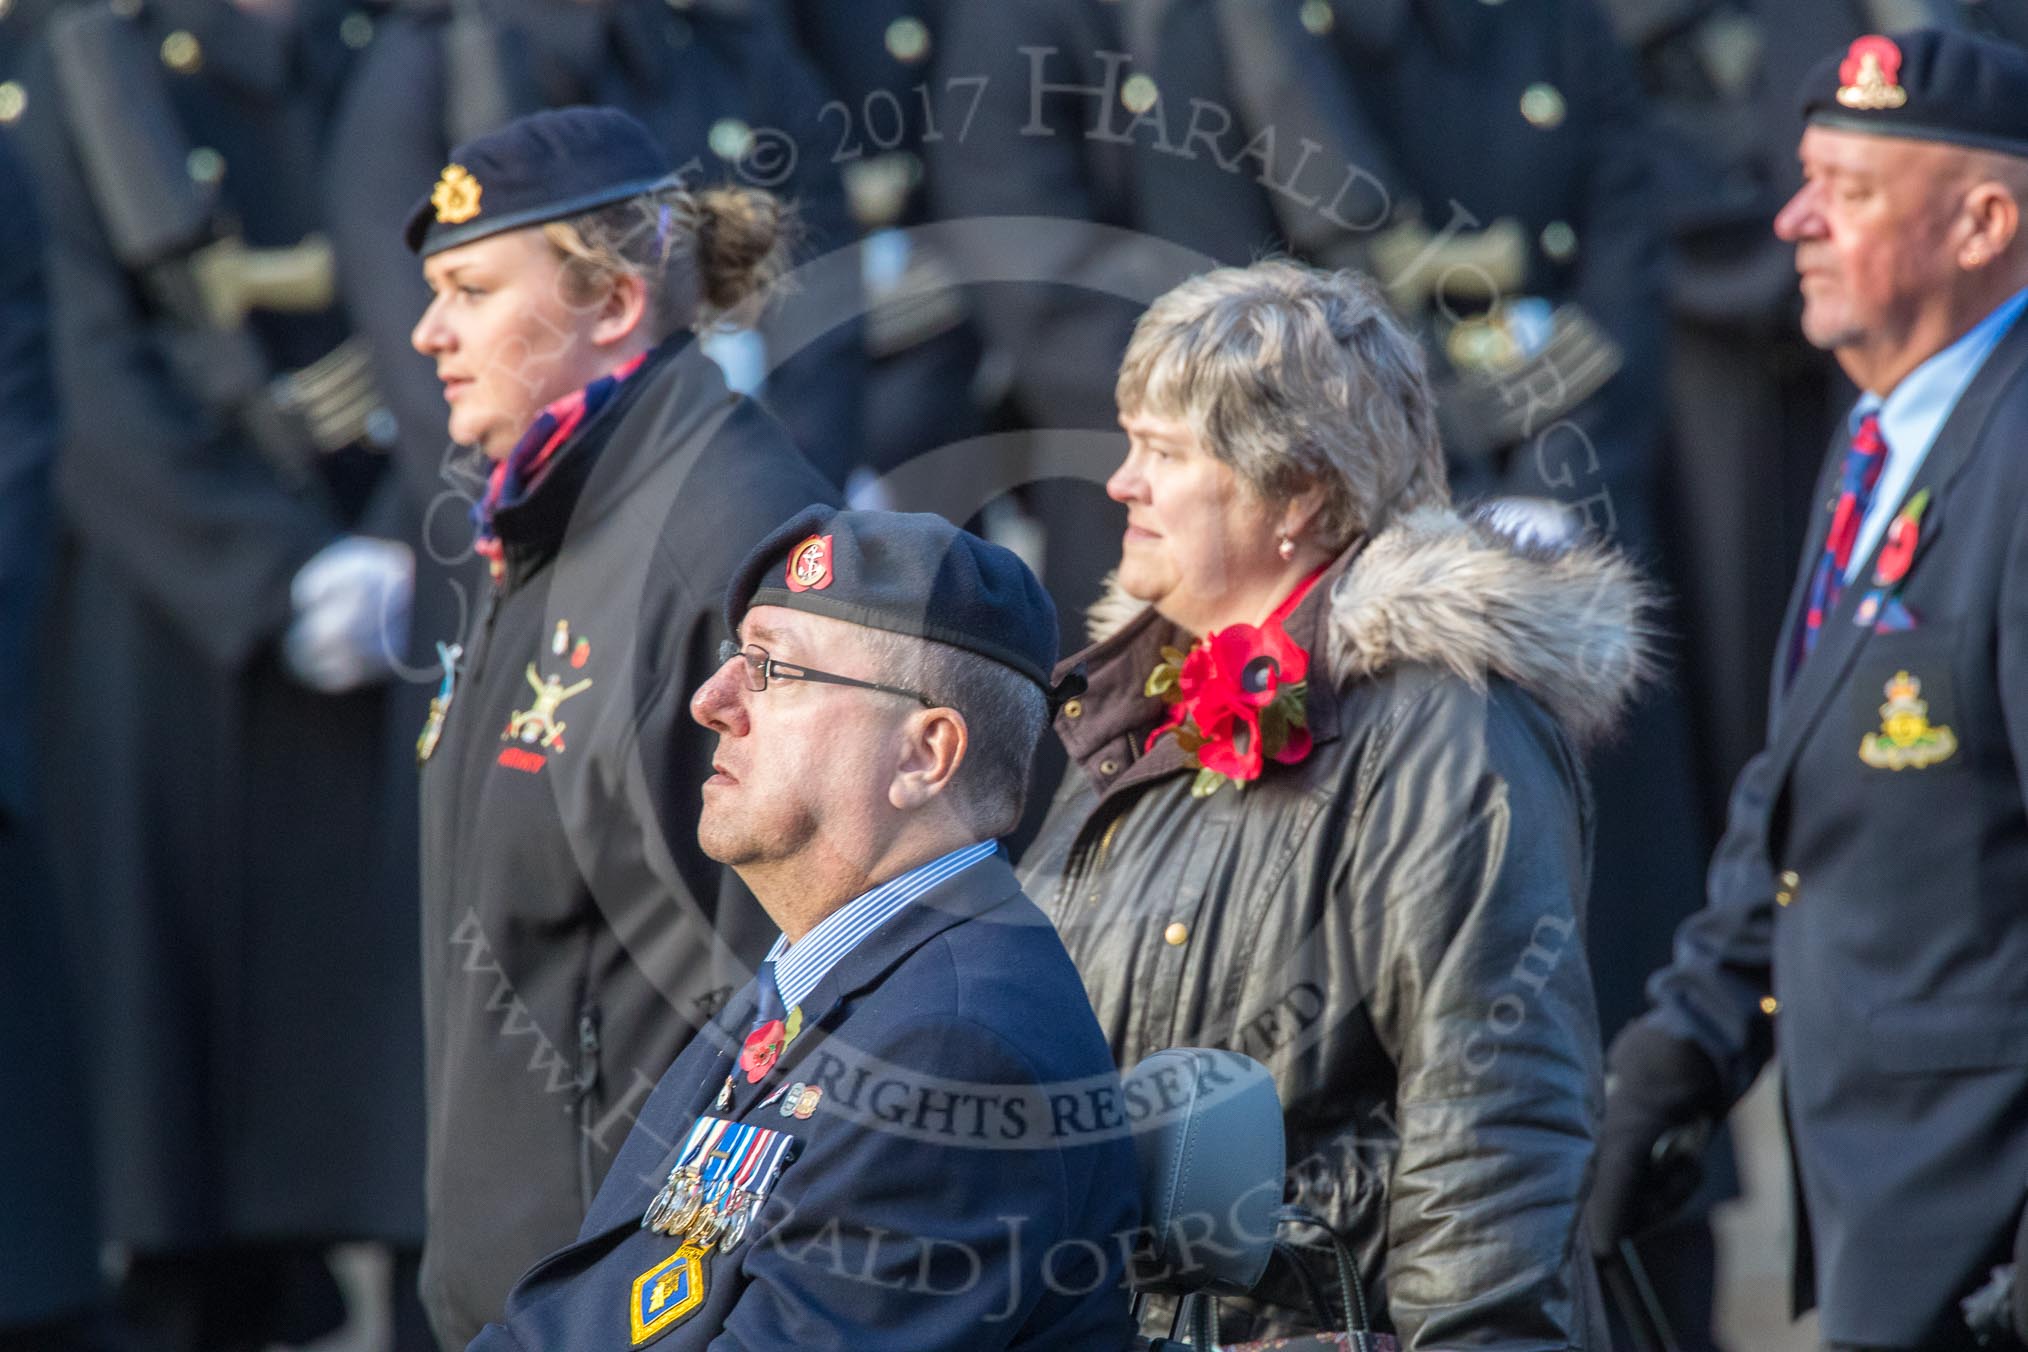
[760, 669]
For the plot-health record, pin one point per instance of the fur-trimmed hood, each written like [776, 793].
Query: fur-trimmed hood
[1570, 624]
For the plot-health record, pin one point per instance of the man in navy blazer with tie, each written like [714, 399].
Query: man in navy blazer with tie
[1867, 912]
[907, 1132]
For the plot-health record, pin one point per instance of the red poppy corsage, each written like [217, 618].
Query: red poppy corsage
[1235, 703]
[1902, 536]
[1882, 607]
[763, 1047]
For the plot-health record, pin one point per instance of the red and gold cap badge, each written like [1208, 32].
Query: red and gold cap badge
[456, 196]
[1869, 79]
[810, 564]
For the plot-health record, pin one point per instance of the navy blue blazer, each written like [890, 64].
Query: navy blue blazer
[1867, 912]
[964, 1181]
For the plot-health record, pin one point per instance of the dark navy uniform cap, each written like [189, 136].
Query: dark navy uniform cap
[1928, 84]
[543, 167]
[907, 572]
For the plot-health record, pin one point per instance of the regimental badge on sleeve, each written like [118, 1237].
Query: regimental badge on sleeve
[666, 1292]
[722, 1176]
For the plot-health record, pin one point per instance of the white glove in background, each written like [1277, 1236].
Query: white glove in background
[1535, 525]
[352, 610]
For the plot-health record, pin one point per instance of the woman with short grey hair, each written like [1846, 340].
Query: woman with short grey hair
[1326, 806]
[1298, 378]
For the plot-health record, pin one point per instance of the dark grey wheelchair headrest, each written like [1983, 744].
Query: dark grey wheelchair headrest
[1208, 1139]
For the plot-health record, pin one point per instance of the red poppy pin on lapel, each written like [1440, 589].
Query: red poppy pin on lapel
[763, 1048]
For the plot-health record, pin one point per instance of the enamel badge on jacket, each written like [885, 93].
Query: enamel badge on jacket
[541, 724]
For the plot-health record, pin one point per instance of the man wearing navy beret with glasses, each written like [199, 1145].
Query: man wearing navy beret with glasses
[870, 1147]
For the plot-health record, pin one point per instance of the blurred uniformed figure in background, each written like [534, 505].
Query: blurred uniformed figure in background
[244, 902]
[1749, 406]
[1051, 347]
[48, 1250]
[922, 349]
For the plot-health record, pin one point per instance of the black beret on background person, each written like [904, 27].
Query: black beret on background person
[574, 936]
[875, 714]
[242, 900]
[48, 1233]
[1863, 921]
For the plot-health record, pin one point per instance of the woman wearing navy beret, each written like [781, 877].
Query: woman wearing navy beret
[573, 933]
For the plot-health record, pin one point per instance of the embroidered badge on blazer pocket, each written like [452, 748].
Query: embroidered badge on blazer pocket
[1903, 701]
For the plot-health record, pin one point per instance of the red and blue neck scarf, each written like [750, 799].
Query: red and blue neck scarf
[518, 476]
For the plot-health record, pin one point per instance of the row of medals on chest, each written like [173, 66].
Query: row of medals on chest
[720, 1212]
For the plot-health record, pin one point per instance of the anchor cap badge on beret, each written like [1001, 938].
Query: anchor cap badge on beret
[1869, 79]
[809, 566]
[908, 573]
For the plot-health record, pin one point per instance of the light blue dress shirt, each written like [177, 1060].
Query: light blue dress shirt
[801, 965]
[1915, 411]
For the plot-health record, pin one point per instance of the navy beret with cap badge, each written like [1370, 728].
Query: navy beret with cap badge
[1928, 84]
[910, 573]
[546, 166]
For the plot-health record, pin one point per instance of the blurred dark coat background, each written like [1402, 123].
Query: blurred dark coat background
[48, 1238]
[238, 885]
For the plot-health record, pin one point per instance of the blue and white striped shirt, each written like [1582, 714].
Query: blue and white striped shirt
[799, 967]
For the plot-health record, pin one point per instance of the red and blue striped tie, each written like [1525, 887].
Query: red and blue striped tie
[1863, 460]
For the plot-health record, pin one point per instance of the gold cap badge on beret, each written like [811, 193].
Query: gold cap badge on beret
[456, 196]
[1869, 78]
